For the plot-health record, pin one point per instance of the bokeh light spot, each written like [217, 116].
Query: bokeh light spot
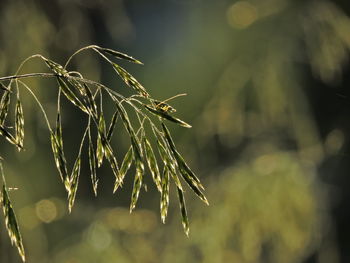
[46, 210]
[241, 14]
[98, 236]
[334, 141]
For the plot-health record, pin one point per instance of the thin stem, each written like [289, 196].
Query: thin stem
[109, 91]
[29, 75]
[21, 65]
[2, 174]
[85, 132]
[101, 107]
[27, 59]
[40, 105]
[77, 52]
[76, 73]
[103, 56]
[173, 97]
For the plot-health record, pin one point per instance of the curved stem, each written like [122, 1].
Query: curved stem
[109, 91]
[40, 105]
[77, 52]
[27, 59]
[84, 135]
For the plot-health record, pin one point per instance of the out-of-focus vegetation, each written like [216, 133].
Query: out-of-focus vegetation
[248, 68]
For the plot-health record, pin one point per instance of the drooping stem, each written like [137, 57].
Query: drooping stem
[77, 52]
[40, 105]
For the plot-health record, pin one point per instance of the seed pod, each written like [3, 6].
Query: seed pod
[164, 200]
[11, 222]
[19, 124]
[137, 184]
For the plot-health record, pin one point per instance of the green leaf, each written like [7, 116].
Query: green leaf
[165, 115]
[11, 222]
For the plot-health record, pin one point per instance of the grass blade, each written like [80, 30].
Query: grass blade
[127, 161]
[164, 200]
[137, 184]
[169, 162]
[130, 80]
[165, 156]
[152, 163]
[19, 124]
[56, 68]
[73, 183]
[183, 210]
[93, 163]
[100, 149]
[181, 162]
[112, 125]
[60, 157]
[59, 134]
[60, 160]
[165, 115]
[112, 161]
[118, 55]
[134, 141]
[70, 95]
[186, 173]
[4, 107]
[11, 222]
[9, 137]
[90, 100]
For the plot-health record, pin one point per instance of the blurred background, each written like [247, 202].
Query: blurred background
[268, 98]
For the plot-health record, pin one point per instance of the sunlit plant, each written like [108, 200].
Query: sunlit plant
[87, 95]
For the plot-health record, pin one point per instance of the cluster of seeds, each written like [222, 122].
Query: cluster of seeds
[165, 165]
